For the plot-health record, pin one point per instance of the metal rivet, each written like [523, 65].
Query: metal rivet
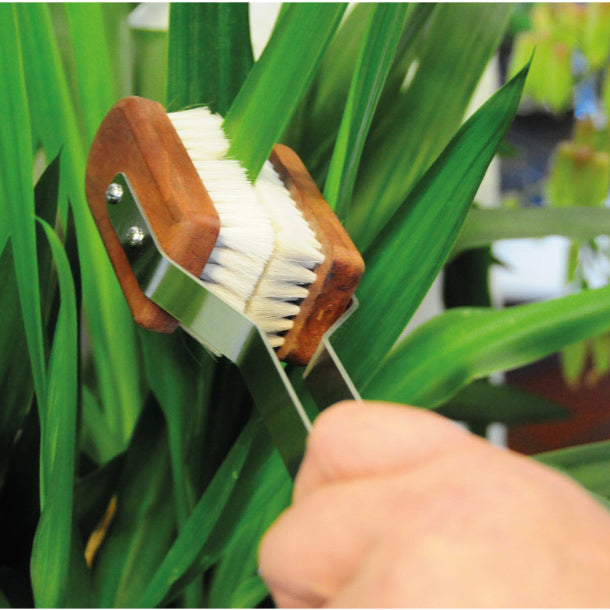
[114, 193]
[135, 236]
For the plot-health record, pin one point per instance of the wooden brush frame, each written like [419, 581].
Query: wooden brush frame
[138, 139]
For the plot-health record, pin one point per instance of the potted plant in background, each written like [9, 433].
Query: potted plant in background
[134, 470]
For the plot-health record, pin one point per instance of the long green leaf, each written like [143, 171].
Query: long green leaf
[209, 54]
[54, 121]
[179, 385]
[232, 585]
[484, 226]
[17, 199]
[406, 257]
[15, 371]
[274, 86]
[144, 523]
[413, 127]
[374, 62]
[191, 542]
[463, 344]
[587, 464]
[483, 403]
[91, 59]
[313, 130]
[53, 541]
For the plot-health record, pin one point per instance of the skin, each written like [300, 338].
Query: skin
[395, 506]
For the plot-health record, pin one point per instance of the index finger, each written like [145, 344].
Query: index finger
[358, 439]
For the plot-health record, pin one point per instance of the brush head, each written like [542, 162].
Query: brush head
[273, 250]
[137, 138]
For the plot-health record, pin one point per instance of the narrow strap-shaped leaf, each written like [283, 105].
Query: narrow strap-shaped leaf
[209, 54]
[463, 344]
[408, 254]
[17, 196]
[484, 403]
[484, 226]
[144, 523]
[178, 383]
[588, 464]
[50, 561]
[411, 129]
[372, 68]
[276, 83]
[89, 41]
[194, 534]
[108, 320]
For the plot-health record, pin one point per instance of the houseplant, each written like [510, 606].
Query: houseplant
[135, 471]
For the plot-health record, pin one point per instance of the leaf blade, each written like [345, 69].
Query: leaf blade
[209, 54]
[464, 344]
[408, 135]
[372, 68]
[274, 86]
[17, 193]
[484, 226]
[420, 235]
[50, 561]
[107, 317]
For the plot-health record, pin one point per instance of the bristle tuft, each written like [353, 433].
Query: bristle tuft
[296, 254]
[265, 257]
[237, 260]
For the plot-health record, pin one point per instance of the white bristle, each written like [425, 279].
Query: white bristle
[264, 259]
[237, 260]
[296, 253]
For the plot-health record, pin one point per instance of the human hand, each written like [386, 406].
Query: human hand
[395, 506]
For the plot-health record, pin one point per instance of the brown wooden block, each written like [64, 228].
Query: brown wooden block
[336, 278]
[137, 138]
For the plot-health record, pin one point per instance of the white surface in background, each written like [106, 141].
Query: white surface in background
[535, 269]
[150, 16]
[262, 20]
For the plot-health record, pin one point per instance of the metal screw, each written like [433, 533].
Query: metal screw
[135, 236]
[114, 193]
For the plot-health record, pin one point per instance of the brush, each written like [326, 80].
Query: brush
[272, 251]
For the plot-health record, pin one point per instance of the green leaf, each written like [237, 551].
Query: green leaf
[276, 83]
[190, 548]
[15, 371]
[413, 126]
[179, 384]
[118, 39]
[466, 279]
[144, 523]
[408, 254]
[97, 440]
[17, 198]
[89, 41]
[209, 54]
[92, 493]
[51, 553]
[483, 403]
[587, 464]
[574, 362]
[454, 348]
[313, 130]
[235, 583]
[372, 68]
[150, 47]
[46, 195]
[484, 226]
[107, 317]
